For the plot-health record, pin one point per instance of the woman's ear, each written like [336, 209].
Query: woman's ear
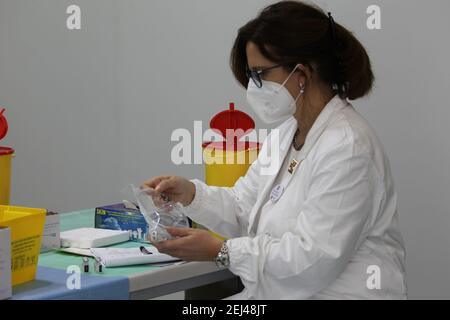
[304, 74]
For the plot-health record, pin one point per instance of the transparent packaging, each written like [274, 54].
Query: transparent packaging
[159, 212]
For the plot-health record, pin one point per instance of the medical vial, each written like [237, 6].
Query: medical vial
[98, 266]
[85, 265]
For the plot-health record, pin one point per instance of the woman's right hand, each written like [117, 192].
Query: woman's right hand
[178, 189]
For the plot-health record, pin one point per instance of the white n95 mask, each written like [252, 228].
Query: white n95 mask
[272, 102]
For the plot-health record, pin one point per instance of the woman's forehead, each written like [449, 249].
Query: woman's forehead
[255, 58]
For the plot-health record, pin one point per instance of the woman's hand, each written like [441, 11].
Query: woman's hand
[178, 189]
[190, 244]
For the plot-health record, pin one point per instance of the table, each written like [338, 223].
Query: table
[131, 282]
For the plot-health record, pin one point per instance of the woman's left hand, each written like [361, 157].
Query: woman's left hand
[190, 244]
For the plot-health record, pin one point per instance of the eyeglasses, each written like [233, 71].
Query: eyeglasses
[255, 75]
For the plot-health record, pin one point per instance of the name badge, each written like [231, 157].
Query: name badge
[292, 166]
[276, 193]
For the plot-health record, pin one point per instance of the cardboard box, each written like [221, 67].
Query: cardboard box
[5, 263]
[51, 236]
[118, 217]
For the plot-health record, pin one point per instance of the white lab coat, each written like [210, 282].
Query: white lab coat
[333, 233]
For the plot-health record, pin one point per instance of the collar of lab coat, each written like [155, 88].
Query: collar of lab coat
[322, 121]
[287, 131]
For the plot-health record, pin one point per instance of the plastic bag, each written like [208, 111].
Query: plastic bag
[159, 212]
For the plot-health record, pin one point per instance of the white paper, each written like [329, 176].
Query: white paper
[51, 236]
[87, 238]
[115, 257]
[78, 251]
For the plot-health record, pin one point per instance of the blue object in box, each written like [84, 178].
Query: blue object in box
[118, 217]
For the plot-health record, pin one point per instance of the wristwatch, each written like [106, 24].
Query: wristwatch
[223, 258]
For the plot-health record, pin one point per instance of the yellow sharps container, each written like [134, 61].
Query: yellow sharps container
[227, 160]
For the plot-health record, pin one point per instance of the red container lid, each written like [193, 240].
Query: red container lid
[239, 146]
[3, 131]
[3, 124]
[232, 119]
[5, 151]
[236, 120]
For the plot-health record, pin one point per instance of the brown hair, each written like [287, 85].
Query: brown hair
[294, 32]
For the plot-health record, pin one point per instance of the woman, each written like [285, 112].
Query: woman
[324, 225]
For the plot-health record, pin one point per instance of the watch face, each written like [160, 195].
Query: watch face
[222, 260]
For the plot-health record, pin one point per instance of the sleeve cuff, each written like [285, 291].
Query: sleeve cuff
[194, 209]
[235, 246]
[245, 257]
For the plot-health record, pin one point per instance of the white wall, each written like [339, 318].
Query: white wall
[93, 110]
